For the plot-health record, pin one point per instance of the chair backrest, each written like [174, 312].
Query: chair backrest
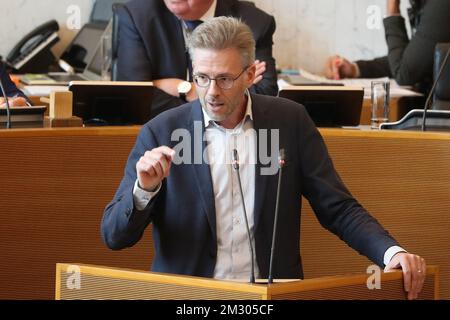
[116, 9]
[102, 10]
[442, 93]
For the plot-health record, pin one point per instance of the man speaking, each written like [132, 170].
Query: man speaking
[195, 205]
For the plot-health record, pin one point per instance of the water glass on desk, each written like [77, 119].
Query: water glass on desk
[380, 102]
[105, 50]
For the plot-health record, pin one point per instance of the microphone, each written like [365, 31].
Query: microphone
[427, 103]
[252, 254]
[8, 114]
[66, 66]
[281, 163]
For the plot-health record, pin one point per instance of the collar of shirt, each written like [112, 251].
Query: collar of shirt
[208, 15]
[248, 115]
[211, 12]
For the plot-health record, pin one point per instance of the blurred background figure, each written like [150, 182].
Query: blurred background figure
[152, 47]
[409, 61]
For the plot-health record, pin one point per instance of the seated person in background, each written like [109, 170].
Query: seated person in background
[15, 96]
[409, 62]
[152, 46]
[191, 197]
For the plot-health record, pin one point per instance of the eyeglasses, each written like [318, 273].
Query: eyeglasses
[224, 82]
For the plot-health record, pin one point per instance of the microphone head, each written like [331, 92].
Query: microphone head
[433, 89]
[282, 158]
[235, 158]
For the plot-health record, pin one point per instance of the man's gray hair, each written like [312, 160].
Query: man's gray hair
[223, 33]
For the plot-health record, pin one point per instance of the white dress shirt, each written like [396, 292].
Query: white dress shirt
[233, 251]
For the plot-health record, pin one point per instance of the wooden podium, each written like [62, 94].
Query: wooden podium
[78, 282]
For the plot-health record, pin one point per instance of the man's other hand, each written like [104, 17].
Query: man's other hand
[153, 167]
[414, 271]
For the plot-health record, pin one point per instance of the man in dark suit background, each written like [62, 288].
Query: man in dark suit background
[152, 45]
[409, 62]
[16, 97]
[179, 177]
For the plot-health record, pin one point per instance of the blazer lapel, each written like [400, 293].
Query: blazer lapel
[224, 8]
[179, 63]
[202, 173]
[260, 121]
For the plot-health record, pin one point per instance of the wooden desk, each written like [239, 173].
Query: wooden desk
[55, 184]
[106, 283]
[399, 106]
[36, 100]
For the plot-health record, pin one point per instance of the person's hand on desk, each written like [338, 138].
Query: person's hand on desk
[153, 167]
[14, 102]
[414, 271]
[170, 86]
[338, 68]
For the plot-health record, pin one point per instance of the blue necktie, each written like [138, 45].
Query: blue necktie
[191, 25]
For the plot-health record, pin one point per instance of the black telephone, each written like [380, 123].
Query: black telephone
[32, 54]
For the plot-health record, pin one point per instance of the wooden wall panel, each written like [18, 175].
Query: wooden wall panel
[55, 183]
[53, 192]
[403, 179]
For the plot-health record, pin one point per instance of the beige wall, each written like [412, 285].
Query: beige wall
[307, 30]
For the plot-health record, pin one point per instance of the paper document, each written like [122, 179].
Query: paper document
[37, 79]
[396, 90]
[282, 84]
[43, 91]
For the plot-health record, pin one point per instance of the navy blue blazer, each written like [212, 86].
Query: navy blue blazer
[9, 86]
[183, 212]
[152, 45]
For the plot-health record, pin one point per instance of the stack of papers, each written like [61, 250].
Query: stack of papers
[36, 79]
[42, 91]
[396, 90]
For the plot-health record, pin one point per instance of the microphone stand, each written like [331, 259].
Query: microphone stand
[8, 114]
[281, 163]
[427, 103]
[236, 168]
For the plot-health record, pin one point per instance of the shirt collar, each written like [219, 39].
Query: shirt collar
[210, 13]
[248, 112]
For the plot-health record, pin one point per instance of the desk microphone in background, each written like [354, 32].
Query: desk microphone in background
[235, 158]
[8, 114]
[427, 103]
[281, 163]
[66, 66]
